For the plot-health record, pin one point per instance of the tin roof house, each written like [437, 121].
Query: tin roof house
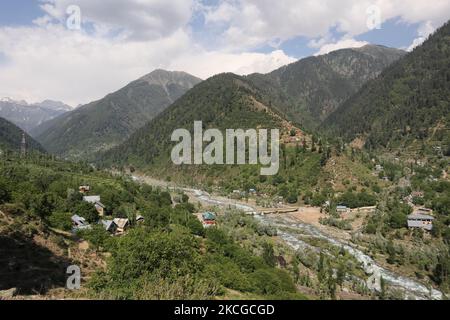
[342, 209]
[79, 223]
[122, 224]
[209, 219]
[109, 226]
[419, 220]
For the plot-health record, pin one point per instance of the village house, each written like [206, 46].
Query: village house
[84, 189]
[109, 226]
[122, 224]
[209, 219]
[95, 200]
[140, 219]
[342, 209]
[418, 220]
[79, 223]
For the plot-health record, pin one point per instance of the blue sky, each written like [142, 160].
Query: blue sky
[16, 13]
[121, 40]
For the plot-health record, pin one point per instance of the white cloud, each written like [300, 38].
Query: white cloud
[127, 39]
[135, 19]
[342, 44]
[423, 32]
[251, 23]
[75, 67]
[205, 64]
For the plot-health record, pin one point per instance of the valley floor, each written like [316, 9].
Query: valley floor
[308, 218]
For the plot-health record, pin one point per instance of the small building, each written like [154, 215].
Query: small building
[140, 219]
[79, 223]
[100, 207]
[209, 219]
[379, 168]
[91, 199]
[418, 220]
[342, 209]
[84, 189]
[122, 224]
[109, 226]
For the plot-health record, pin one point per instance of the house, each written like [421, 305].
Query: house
[95, 200]
[342, 209]
[418, 220]
[109, 226]
[79, 223]
[91, 199]
[209, 219]
[122, 224]
[84, 189]
[100, 207]
[140, 219]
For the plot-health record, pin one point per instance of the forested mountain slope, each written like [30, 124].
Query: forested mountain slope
[309, 90]
[408, 102]
[11, 138]
[103, 124]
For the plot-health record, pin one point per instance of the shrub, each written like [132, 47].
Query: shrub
[60, 220]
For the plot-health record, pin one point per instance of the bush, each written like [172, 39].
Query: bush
[272, 282]
[5, 194]
[60, 220]
[87, 211]
[97, 236]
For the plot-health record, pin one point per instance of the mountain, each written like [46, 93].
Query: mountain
[54, 105]
[407, 103]
[103, 124]
[29, 116]
[310, 89]
[223, 101]
[11, 137]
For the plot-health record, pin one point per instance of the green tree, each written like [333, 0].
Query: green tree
[87, 211]
[269, 255]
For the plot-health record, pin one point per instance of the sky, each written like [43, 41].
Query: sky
[77, 51]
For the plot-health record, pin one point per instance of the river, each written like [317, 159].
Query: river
[412, 289]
